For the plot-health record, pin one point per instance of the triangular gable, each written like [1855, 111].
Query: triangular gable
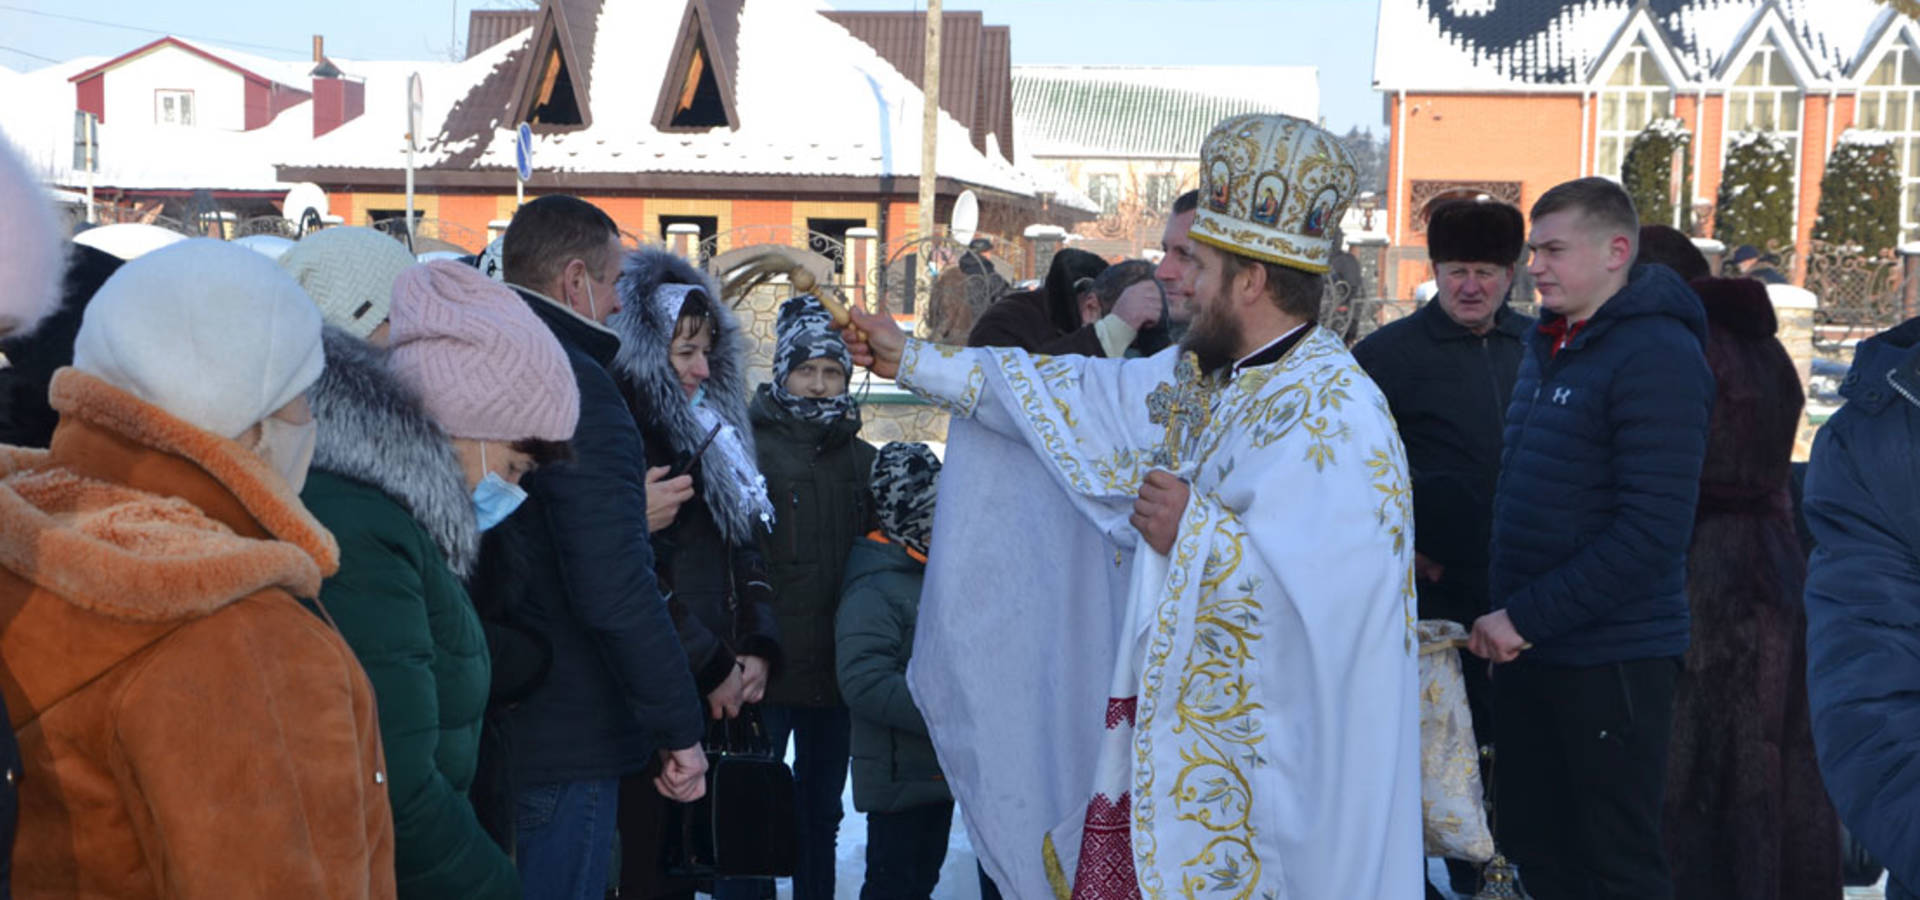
[1769, 21]
[696, 92]
[1640, 25]
[554, 77]
[1887, 31]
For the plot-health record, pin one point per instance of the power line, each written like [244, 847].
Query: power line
[29, 55]
[85, 21]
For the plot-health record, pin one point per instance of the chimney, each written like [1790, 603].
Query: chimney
[319, 48]
[337, 98]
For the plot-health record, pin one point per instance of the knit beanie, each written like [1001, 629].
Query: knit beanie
[905, 484]
[32, 253]
[211, 332]
[485, 366]
[349, 273]
[804, 331]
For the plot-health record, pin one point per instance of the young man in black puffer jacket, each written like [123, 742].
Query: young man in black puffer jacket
[1592, 517]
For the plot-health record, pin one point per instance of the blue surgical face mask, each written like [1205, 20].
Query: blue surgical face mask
[495, 498]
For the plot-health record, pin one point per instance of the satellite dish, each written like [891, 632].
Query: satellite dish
[966, 217]
[271, 246]
[128, 240]
[306, 197]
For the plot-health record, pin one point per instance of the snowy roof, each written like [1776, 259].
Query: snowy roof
[1148, 111]
[1492, 45]
[841, 111]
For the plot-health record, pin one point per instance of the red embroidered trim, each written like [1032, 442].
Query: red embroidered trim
[1121, 709]
[1105, 871]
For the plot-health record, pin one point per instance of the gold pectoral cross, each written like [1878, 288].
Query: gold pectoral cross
[1183, 407]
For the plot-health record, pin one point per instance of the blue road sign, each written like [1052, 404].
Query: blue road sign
[523, 152]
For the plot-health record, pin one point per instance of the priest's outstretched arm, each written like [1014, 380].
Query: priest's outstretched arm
[1090, 420]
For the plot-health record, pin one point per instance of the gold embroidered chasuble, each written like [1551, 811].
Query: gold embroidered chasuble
[1259, 736]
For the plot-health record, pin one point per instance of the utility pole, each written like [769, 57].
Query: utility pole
[930, 118]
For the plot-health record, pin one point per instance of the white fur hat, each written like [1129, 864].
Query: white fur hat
[33, 256]
[209, 331]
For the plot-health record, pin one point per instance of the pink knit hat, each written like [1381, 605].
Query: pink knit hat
[485, 366]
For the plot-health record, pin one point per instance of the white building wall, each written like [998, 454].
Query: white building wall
[219, 93]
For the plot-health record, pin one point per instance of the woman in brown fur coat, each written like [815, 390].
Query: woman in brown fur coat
[188, 728]
[1747, 816]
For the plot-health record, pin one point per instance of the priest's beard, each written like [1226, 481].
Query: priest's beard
[1214, 335]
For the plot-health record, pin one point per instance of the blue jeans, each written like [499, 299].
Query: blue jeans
[905, 850]
[565, 838]
[822, 745]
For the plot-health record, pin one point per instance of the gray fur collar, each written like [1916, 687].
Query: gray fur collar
[643, 364]
[374, 430]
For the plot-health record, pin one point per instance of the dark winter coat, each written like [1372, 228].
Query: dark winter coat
[26, 419]
[1747, 817]
[1047, 319]
[718, 590]
[1023, 320]
[818, 477]
[894, 767]
[618, 689]
[1599, 478]
[1863, 603]
[1449, 390]
[382, 474]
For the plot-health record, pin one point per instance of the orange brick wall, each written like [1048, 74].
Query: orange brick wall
[472, 211]
[1535, 139]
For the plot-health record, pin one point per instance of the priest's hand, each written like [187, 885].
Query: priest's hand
[1495, 639]
[1157, 514]
[875, 341]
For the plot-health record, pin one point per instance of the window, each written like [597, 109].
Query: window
[708, 225]
[555, 104]
[173, 108]
[1105, 191]
[828, 237]
[1764, 97]
[1888, 103]
[1635, 94]
[1161, 191]
[698, 105]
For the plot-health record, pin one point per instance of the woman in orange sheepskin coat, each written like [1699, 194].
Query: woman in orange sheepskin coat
[187, 727]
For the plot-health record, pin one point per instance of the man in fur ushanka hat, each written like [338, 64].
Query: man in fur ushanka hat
[1447, 370]
[1219, 536]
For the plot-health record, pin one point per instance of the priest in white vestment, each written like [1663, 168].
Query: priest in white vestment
[1166, 645]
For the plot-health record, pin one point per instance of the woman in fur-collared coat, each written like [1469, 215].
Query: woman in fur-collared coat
[682, 367]
[1747, 816]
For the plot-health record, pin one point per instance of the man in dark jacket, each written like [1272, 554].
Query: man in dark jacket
[1448, 373]
[1053, 321]
[618, 691]
[1863, 603]
[1593, 514]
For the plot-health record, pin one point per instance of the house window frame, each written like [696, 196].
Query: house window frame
[162, 94]
[1109, 198]
[1879, 99]
[1656, 97]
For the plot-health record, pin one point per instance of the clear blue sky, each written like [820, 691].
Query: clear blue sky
[1335, 35]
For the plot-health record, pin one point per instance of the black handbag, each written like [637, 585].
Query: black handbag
[744, 827]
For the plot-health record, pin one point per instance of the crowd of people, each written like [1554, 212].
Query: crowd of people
[344, 575]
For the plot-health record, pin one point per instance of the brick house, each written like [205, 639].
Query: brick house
[1510, 97]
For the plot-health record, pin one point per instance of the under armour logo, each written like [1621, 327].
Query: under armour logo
[1562, 395]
